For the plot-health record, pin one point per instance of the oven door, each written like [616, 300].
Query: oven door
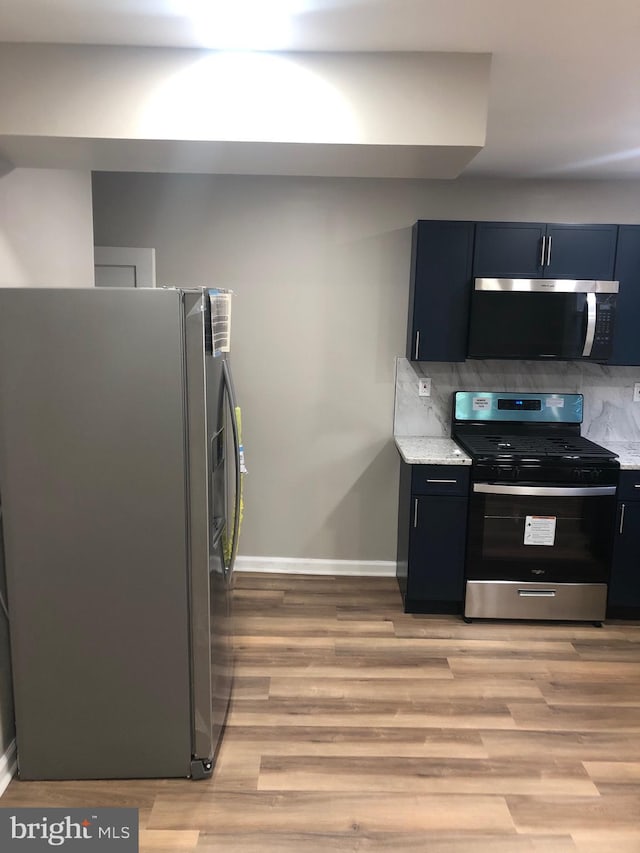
[551, 534]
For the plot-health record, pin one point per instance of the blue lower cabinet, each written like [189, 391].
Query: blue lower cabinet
[624, 582]
[431, 541]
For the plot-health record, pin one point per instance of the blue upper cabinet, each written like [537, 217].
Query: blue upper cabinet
[441, 266]
[538, 250]
[581, 251]
[509, 250]
[447, 255]
[626, 340]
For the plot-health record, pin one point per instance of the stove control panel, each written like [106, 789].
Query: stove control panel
[605, 475]
[500, 407]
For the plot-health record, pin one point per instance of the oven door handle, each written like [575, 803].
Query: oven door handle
[545, 491]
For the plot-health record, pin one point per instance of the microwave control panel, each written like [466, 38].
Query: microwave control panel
[603, 337]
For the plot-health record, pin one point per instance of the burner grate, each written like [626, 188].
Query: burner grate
[533, 445]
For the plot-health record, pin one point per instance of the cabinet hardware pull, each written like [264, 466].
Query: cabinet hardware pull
[622, 518]
[441, 481]
[417, 344]
[415, 512]
[636, 485]
[544, 243]
[549, 252]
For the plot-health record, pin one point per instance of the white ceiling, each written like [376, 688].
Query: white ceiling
[565, 80]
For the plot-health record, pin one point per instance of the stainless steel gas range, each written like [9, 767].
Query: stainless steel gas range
[542, 507]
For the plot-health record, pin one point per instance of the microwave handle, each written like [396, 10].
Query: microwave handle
[592, 316]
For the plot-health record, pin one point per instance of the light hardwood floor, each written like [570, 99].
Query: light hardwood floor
[356, 727]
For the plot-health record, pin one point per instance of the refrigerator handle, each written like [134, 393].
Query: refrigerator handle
[3, 603]
[231, 397]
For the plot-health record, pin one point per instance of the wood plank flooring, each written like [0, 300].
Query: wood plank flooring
[356, 727]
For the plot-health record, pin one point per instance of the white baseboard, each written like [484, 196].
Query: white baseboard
[8, 766]
[300, 566]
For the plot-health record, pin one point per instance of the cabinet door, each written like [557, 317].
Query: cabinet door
[629, 486]
[626, 341]
[580, 251]
[624, 583]
[535, 250]
[436, 550]
[508, 250]
[440, 289]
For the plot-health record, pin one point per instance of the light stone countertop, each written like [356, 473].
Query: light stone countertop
[423, 450]
[420, 450]
[628, 453]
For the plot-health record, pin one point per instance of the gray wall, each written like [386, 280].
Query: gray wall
[320, 268]
[46, 228]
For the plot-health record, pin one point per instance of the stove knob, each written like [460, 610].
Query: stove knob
[503, 472]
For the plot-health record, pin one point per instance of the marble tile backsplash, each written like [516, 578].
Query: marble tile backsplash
[609, 411]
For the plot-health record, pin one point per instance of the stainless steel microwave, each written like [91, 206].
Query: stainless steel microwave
[542, 318]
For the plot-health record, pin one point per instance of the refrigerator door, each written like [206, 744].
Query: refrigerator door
[92, 476]
[211, 664]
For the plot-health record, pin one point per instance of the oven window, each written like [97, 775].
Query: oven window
[576, 536]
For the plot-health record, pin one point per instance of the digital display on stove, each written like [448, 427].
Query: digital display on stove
[520, 405]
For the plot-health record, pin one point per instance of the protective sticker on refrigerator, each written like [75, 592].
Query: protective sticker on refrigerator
[540, 530]
[220, 301]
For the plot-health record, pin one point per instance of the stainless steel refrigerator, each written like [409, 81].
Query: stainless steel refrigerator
[117, 438]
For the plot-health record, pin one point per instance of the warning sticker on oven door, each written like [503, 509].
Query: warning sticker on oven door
[540, 530]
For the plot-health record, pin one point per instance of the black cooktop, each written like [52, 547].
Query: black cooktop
[528, 429]
[569, 448]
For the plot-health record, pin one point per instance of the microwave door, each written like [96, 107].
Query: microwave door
[542, 319]
[529, 325]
